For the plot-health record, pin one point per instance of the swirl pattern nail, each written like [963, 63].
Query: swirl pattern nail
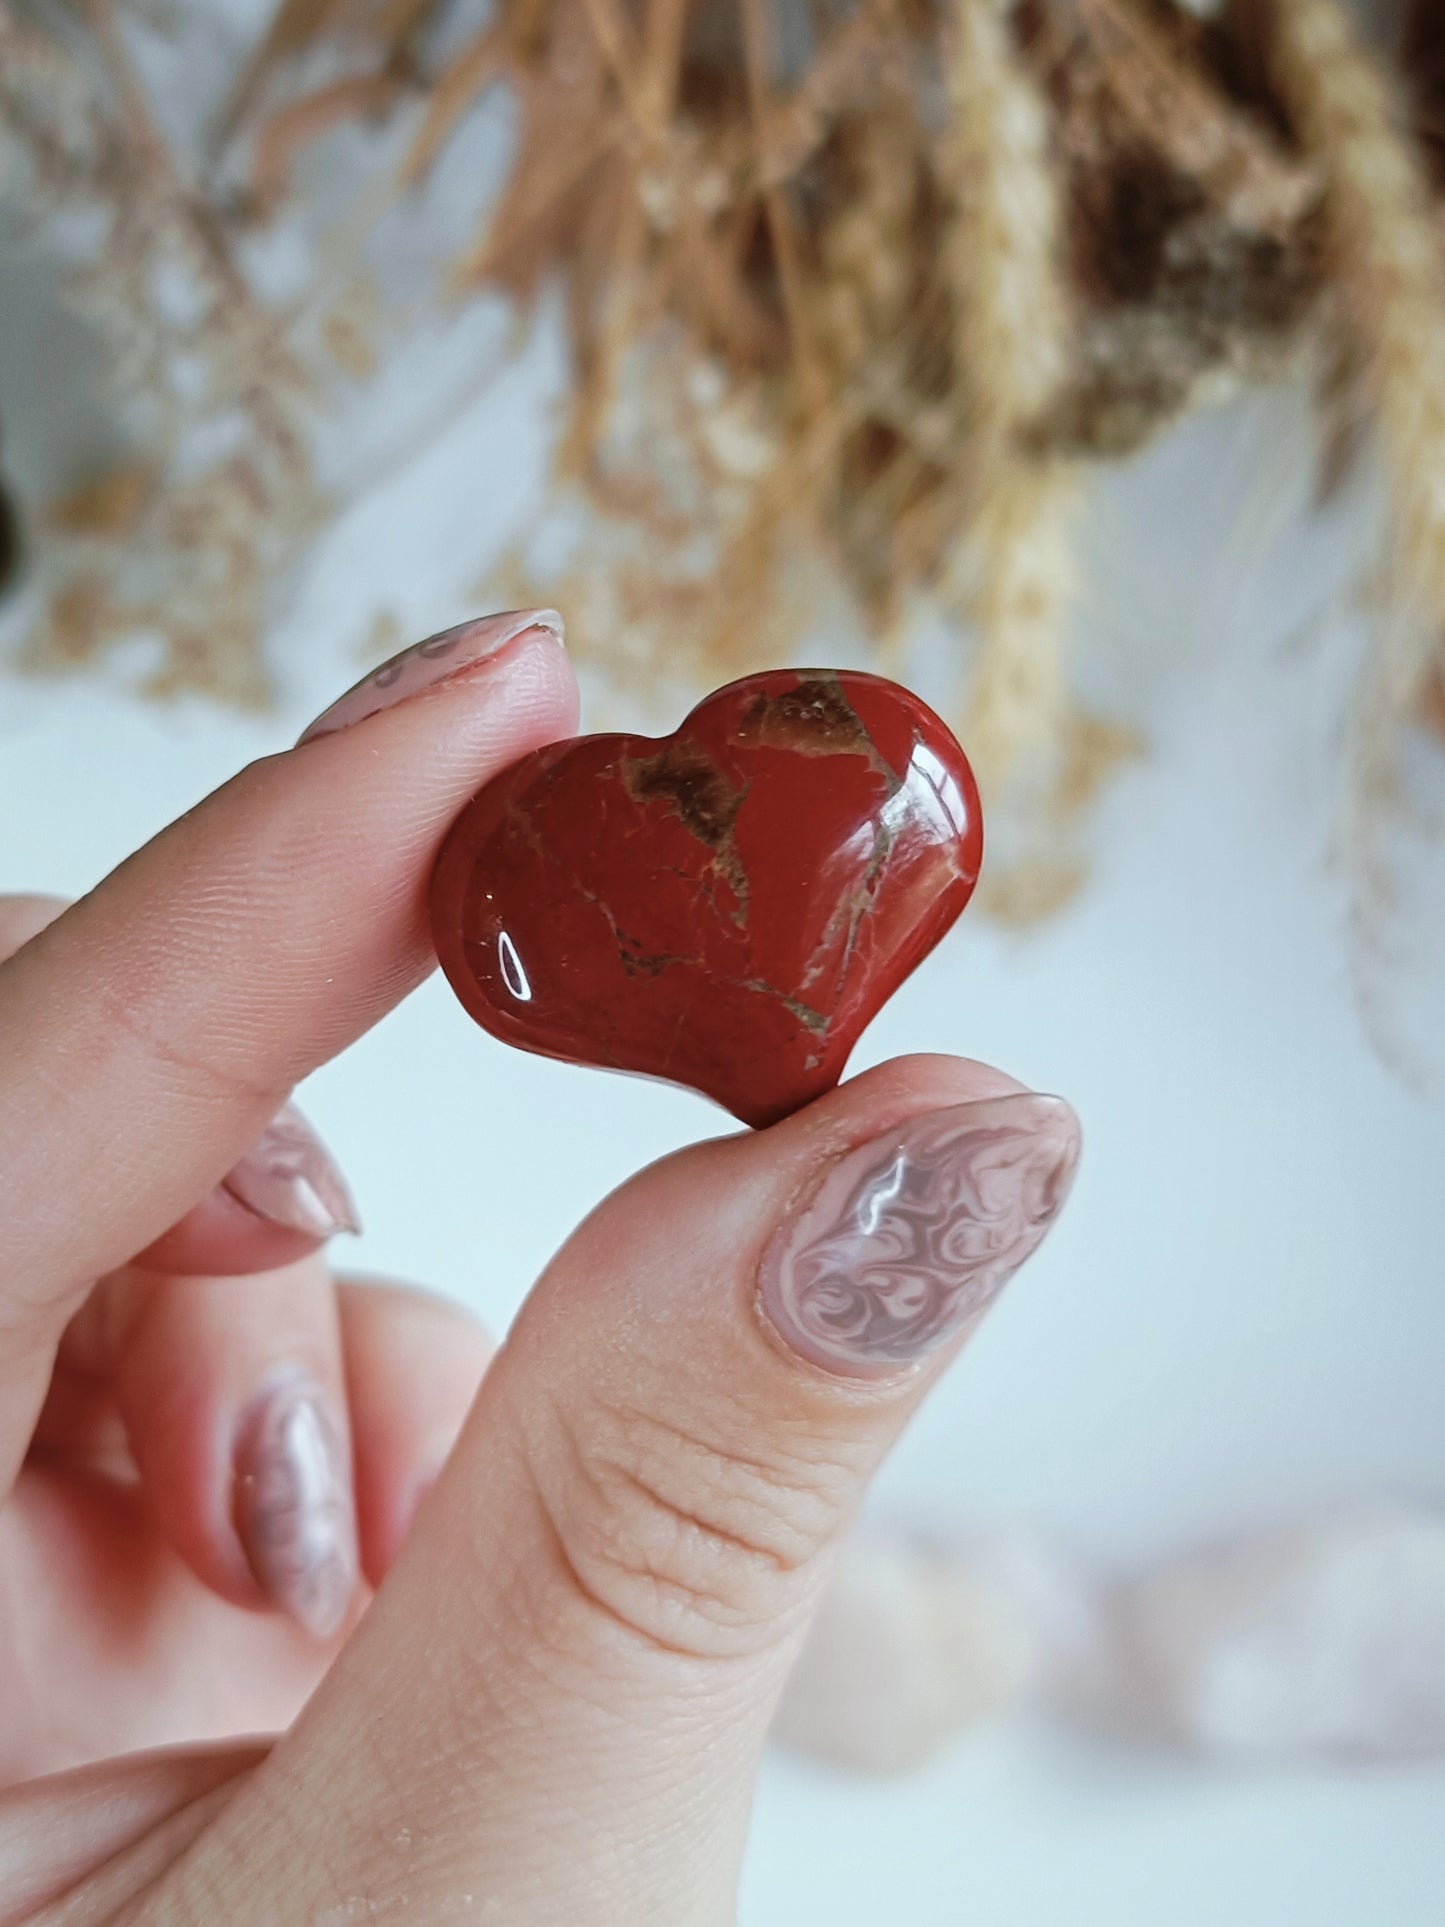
[912, 1236]
[426, 663]
[294, 1509]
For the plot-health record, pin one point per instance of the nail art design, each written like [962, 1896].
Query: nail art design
[290, 1177]
[430, 662]
[294, 1509]
[912, 1236]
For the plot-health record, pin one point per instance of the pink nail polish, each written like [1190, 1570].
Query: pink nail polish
[294, 1509]
[910, 1238]
[289, 1177]
[427, 663]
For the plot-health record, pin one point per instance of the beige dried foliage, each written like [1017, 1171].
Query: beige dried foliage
[1389, 263]
[1193, 222]
[854, 307]
[1387, 260]
[1422, 59]
[183, 555]
[903, 390]
[1012, 347]
[109, 507]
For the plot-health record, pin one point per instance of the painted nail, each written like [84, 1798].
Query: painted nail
[294, 1509]
[427, 663]
[289, 1177]
[911, 1237]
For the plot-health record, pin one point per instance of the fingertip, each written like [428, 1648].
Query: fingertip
[277, 1204]
[478, 646]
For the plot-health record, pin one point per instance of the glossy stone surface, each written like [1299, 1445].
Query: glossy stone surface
[725, 907]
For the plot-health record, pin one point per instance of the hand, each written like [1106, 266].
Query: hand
[553, 1708]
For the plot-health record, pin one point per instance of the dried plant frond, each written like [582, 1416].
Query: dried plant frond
[302, 121]
[1388, 261]
[1006, 247]
[858, 294]
[1012, 347]
[110, 506]
[457, 89]
[1422, 60]
[882, 282]
[1194, 230]
[1432, 702]
[1020, 700]
[186, 554]
[1386, 244]
[384, 28]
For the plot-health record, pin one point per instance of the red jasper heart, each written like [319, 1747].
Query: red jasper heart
[725, 907]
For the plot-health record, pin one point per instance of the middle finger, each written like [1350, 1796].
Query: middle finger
[232, 1394]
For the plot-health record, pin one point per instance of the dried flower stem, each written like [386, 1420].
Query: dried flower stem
[649, 102]
[199, 550]
[801, 124]
[1024, 531]
[851, 322]
[455, 91]
[1012, 346]
[812, 387]
[1392, 269]
[281, 140]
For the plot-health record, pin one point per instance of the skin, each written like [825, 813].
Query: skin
[553, 1707]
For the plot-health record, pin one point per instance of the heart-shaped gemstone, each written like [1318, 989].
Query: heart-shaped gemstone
[725, 907]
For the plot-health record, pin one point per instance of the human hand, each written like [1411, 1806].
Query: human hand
[554, 1706]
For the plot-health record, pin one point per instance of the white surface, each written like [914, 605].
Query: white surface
[1242, 1315]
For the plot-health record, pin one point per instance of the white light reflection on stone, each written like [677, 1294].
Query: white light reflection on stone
[940, 779]
[513, 975]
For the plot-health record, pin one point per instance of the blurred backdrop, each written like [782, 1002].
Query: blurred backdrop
[1079, 364]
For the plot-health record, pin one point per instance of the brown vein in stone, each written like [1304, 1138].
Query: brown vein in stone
[635, 958]
[685, 778]
[815, 719]
[851, 909]
[810, 1019]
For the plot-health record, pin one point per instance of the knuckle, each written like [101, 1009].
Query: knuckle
[696, 1542]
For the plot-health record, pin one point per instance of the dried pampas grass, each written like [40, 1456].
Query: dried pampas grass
[1389, 265]
[176, 544]
[858, 294]
[1387, 250]
[1012, 348]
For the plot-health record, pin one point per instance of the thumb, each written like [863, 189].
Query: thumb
[558, 1699]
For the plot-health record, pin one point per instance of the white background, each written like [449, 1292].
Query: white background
[1241, 1319]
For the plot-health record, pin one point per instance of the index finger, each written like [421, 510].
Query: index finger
[151, 1031]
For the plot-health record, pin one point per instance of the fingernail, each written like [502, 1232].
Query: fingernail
[294, 1509]
[912, 1236]
[427, 663]
[289, 1177]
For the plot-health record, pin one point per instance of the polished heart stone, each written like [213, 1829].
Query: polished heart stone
[725, 907]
